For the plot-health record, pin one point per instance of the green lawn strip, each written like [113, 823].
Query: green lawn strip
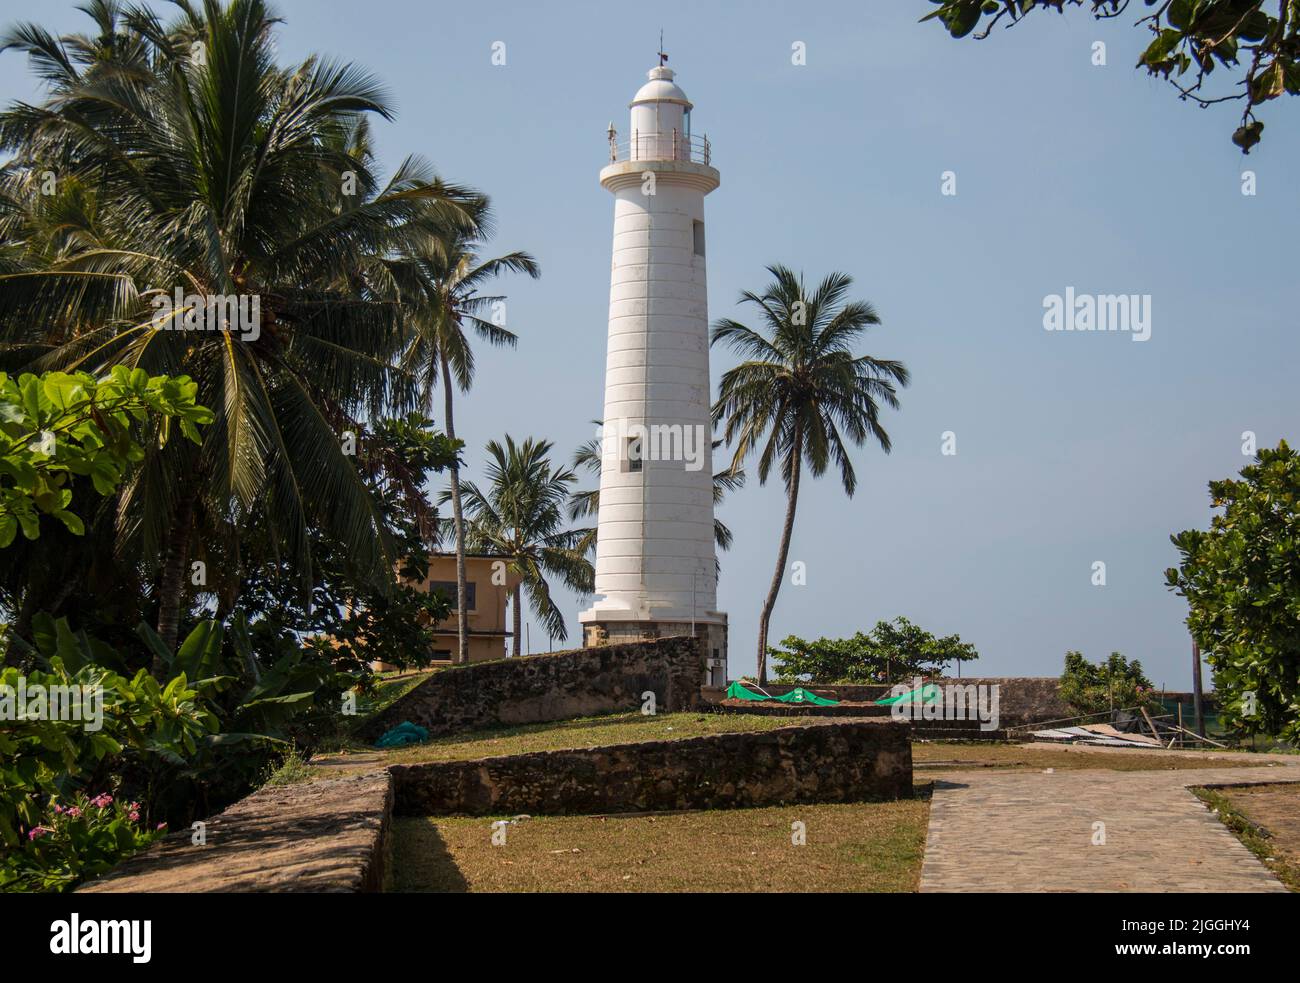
[633, 727]
[871, 846]
[958, 755]
[617, 728]
[1256, 838]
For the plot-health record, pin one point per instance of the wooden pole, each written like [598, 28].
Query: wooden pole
[1196, 689]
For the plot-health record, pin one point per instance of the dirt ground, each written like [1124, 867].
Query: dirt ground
[1277, 809]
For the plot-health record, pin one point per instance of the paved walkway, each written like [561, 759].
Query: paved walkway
[1031, 831]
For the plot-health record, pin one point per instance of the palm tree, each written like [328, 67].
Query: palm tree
[800, 391]
[444, 276]
[186, 158]
[520, 516]
[587, 503]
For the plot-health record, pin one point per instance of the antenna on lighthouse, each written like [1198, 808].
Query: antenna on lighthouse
[663, 58]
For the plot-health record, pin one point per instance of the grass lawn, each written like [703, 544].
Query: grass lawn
[389, 686]
[874, 846]
[1017, 757]
[1266, 818]
[631, 727]
[617, 728]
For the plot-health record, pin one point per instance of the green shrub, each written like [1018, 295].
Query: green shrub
[40, 758]
[1242, 583]
[1116, 683]
[292, 769]
[893, 650]
[71, 843]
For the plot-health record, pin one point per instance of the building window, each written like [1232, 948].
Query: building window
[440, 655]
[699, 237]
[447, 588]
[634, 454]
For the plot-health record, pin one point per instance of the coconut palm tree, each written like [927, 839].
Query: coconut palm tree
[587, 502]
[187, 159]
[519, 515]
[800, 391]
[443, 277]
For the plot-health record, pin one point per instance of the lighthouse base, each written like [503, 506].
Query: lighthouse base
[714, 631]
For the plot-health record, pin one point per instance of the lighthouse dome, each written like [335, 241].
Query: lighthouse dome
[660, 88]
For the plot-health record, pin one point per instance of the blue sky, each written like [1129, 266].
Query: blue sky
[1071, 447]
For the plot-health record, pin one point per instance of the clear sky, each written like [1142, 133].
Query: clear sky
[1071, 447]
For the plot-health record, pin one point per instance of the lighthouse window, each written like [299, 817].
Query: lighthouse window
[634, 454]
[699, 237]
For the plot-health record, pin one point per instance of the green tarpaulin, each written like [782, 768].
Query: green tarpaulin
[926, 694]
[402, 735]
[737, 692]
[797, 695]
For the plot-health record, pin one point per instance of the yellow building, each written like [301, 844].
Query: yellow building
[487, 587]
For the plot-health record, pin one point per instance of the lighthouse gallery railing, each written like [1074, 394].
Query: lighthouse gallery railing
[669, 145]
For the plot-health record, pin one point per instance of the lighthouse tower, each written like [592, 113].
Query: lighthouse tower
[656, 572]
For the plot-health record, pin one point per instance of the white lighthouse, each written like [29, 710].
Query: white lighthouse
[656, 572]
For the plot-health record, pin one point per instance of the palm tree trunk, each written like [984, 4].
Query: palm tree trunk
[792, 499]
[517, 615]
[171, 583]
[462, 606]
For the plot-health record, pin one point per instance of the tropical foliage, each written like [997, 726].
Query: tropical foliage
[800, 392]
[198, 241]
[444, 277]
[84, 838]
[1241, 579]
[891, 651]
[1257, 42]
[181, 159]
[520, 516]
[57, 427]
[1116, 684]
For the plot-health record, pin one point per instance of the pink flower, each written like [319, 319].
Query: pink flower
[74, 812]
[102, 801]
[135, 817]
[38, 831]
[58, 809]
[161, 826]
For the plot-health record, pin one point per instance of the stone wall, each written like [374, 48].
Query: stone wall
[832, 762]
[1022, 699]
[319, 837]
[329, 835]
[557, 686]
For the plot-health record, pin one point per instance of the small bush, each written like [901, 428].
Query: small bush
[1117, 683]
[83, 839]
[292, 769]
